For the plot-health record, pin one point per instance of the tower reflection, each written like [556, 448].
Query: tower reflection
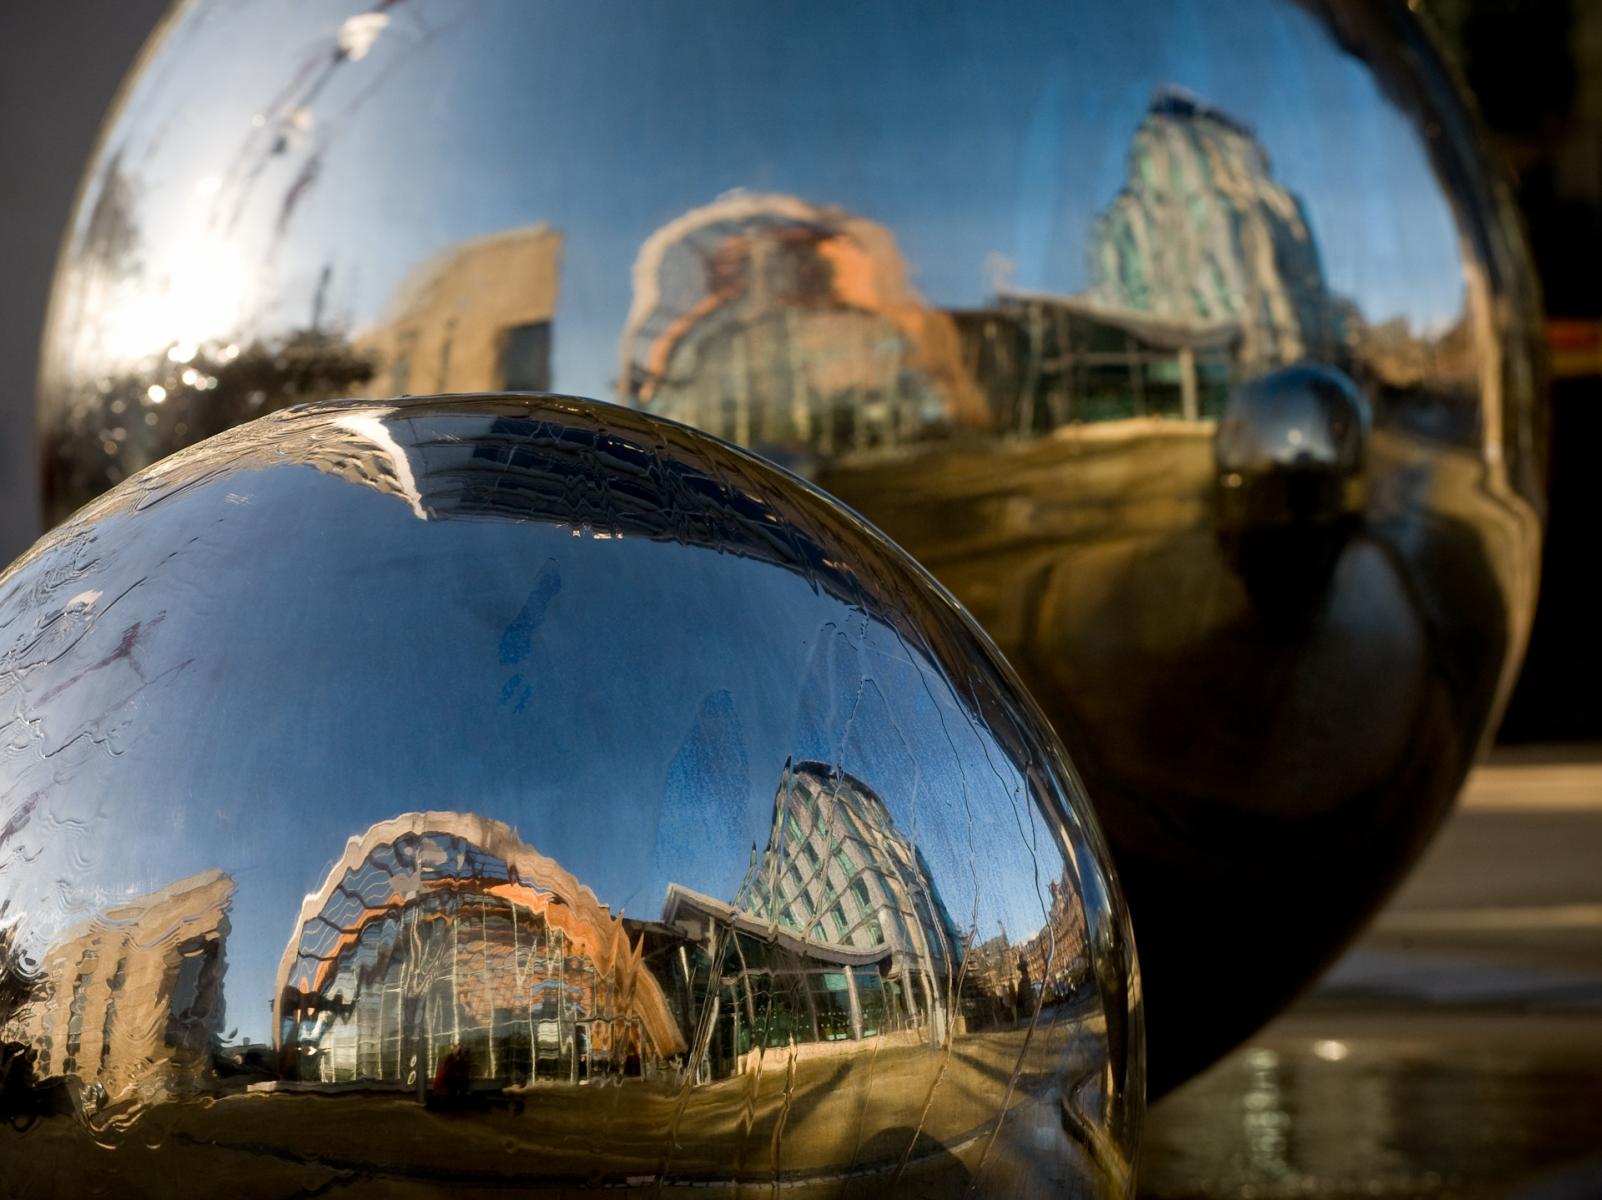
[1202, 232]
[838, 934]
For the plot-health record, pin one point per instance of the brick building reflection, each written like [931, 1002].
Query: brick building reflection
[134, 1000]
[1007, 980]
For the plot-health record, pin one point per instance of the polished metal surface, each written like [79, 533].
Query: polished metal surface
[522, 792]
[1188, 343]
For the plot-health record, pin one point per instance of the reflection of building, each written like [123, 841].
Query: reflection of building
[1004, 980]
[838, 871]
[476, 318]
[769, 320]
[1049, 361]
[990, 983]
[838, 934]
[1202, 232]
[790, 326]
[442, 930]
[1054, 960]
[137, 1001]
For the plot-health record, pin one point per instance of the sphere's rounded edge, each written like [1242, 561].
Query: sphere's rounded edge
[47, 366]
[203, 555]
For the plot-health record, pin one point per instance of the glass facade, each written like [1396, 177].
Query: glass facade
[835, 852]
[443, 944]
[433, 946]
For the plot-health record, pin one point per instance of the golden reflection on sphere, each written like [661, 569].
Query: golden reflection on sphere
[519, 792]
[1190, 343]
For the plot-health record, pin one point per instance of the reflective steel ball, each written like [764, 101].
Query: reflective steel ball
[1016, 286]
[521, 792]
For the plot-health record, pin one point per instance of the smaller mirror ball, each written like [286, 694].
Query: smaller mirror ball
[519, 791]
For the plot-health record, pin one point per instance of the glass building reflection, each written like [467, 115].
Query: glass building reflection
[792, 326]
[442, 938]
[441, 932]
[1202, 232]
[777, 322]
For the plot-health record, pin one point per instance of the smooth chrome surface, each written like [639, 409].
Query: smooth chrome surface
[523, 792]
[1019, 287]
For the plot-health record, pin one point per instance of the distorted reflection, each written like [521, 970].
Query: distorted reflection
[443, 933]
[712, 922]
[130, 1003]
[1020, 291]
[442, 947]
[775, 322]
[476, 318]
[446, 957]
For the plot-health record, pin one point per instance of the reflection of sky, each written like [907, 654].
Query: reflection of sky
[318, 659]
[972, 136]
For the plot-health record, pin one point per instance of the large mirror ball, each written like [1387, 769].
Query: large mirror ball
[1189, 344]
[482, 794]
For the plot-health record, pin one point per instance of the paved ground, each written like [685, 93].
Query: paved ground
[815, 1127]
[1456, 1051]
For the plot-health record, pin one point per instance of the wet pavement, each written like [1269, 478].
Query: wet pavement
[1456, 1050]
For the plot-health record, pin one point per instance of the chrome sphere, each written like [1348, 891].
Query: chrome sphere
[1021, 287]
[523, 792]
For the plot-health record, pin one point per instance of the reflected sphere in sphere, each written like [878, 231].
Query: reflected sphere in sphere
[1019, 288]
[520, 792]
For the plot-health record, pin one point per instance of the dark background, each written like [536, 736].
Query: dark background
[1535, 68]
[1534, 65]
